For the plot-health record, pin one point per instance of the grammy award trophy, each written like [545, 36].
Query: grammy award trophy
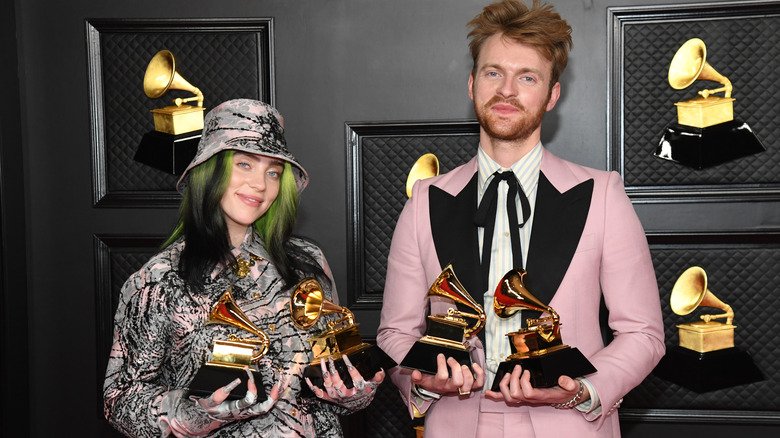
[445, 333]
[539, 347]
[706, 133]
[177, 128]
[706, 358]
[230, 356]
[341, 338]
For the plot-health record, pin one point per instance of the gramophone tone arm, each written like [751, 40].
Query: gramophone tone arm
[477, 327]
[198, 96]
[548, 332]
[348, 318]
[262, 343]
[729, 315]
[727, 88]
[554, 318]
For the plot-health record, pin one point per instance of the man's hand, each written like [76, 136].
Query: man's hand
[516, 388]
[450, 377]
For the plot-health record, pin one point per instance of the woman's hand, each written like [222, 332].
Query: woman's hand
[194, 417]
[355, 398]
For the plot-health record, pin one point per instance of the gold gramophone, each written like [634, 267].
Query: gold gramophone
[689, 292]
[688, 65]
[230, 356]
[161, 76]
[425, 167]
[342, 337]
[445, 333]
[706, 133]
[706, 358]
[177, 128]
[539, 347]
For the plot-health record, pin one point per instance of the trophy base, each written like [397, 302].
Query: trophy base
[167, 152]
[545, 369]
[700, 148]
[209, 378]
[422, 357]
[710, 371]
[367, 360]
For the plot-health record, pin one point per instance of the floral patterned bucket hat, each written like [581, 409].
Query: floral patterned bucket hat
[244, 125]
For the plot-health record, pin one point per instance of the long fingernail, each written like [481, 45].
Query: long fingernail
[226, 389]
[348, 362]
[250, 374]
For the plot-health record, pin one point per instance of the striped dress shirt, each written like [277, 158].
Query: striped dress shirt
[527, 172]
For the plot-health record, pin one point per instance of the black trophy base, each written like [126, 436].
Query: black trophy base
[700, 148]
[209, 378]
[422, 357]
[710, 371]
[547, 368]
[167, 152]
[368, 361]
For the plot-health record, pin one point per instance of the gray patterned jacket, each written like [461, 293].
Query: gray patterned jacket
[160, 341]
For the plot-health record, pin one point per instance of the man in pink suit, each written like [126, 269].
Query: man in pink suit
[579, 240]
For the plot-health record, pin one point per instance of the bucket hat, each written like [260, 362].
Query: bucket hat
[244, 125]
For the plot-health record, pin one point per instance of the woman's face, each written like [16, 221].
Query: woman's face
[254, 185]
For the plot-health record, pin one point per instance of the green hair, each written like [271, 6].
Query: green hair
[276, 225]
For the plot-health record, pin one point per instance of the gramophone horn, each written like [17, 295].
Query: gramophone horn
[512, 296]
[425, 167]
[308, 303]
[690, 291]
[447, 285]
[227, 312]
[690, 63]
[161, 76]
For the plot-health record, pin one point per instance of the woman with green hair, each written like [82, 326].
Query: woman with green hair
[234, 233]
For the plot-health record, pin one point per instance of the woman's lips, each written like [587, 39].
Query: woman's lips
[253, 201]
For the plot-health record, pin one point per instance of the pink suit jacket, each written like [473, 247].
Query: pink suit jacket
[586, 240]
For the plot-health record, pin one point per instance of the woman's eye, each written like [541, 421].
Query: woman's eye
[274, 173]
[243, 164]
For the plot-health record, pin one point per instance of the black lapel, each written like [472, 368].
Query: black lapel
[559, 219]
[455, 234]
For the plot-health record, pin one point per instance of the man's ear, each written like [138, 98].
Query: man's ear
[471, 86]
[555, 93]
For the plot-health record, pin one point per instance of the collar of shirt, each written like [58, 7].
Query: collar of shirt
[253, 244]
[526, 169]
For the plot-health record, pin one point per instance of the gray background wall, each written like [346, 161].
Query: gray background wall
[336, 61]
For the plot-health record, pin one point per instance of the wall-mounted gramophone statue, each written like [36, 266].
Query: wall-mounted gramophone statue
[690, 292]
[539, 347]
[706, 133]
[342, 337]
[177, 128]
[230, 356]
[425, 167]
[706, 358]
[445, 333]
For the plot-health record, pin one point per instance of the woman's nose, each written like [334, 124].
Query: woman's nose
[257, 182]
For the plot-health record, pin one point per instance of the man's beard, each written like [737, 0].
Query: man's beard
[508, 130]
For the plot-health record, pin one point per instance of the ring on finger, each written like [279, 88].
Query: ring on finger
[462, 392]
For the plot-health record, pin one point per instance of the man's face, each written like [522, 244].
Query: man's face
[511, 89]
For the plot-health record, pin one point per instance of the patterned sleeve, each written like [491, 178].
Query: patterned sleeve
[135, 383]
